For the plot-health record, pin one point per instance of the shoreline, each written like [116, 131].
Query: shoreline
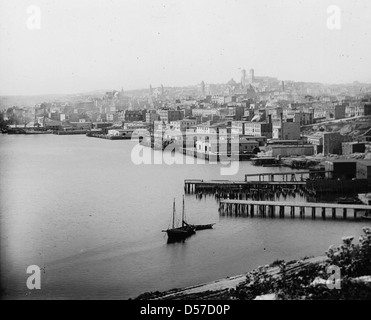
[219, 289]
[345, 268]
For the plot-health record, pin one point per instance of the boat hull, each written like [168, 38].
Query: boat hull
[203, 226]
[200, 226]
[180, 233]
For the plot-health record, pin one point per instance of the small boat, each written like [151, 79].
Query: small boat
[200, 226]
[179, 233]
[366, 217]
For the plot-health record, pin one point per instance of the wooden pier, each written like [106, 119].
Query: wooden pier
[272, 209]
[194, 185]
[290, 176]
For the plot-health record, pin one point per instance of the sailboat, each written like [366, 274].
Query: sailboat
[182, 232]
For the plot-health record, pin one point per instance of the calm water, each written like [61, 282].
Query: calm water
[80, 208]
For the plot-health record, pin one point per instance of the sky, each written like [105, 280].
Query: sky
[84, 45]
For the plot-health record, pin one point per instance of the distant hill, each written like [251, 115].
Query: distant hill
[31, 100]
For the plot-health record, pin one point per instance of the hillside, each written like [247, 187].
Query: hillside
[354, 127]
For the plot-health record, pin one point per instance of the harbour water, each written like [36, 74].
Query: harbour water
[80, 209]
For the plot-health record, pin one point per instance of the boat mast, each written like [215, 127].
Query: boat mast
[173, 212]
[183, 213]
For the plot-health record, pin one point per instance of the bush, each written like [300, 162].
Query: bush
[353, 260]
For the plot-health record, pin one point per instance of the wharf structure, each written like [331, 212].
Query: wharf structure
[272, 209]
[305, 182]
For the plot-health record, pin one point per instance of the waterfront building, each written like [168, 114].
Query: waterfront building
[136, 125]
[274, 150]
[363, 169]
[288, 130]
[81, 125]
[119, 132]
[342, 169]
[102, 125]
[262, 141]
[258, 129]
[328, 142]
[248, 146]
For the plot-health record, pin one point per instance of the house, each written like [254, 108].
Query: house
[101, 125]
[81, 125]
[288, 148]
[342, 169]
[288, 130]
[258, 129]
[248, 146]
[328, 142]
[120, 132]
[260, 140]
[353, 147]
[363, 169]
[216, 144]
[340, 111]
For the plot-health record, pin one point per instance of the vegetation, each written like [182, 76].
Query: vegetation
[313, 281]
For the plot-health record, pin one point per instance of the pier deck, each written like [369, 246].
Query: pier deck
[269, 208]
[290, 175]
[191, 185]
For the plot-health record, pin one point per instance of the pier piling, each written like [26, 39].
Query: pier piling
[268, 208]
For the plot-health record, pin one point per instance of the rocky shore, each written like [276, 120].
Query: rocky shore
[308, 278]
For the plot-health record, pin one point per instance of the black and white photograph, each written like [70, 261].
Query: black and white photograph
[208, 151]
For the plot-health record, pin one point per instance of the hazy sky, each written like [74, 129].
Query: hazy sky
[84, 45]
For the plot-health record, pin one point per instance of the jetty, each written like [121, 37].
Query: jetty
[312, 183]
[291, 175]
[194, 185]
[107, 136]
[271, 209]
[69, 132]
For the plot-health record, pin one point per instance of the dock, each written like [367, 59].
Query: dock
[69, 132]
[108, 137]
[271, 209]
[195, 185]
[291, 175]
[312, 183]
